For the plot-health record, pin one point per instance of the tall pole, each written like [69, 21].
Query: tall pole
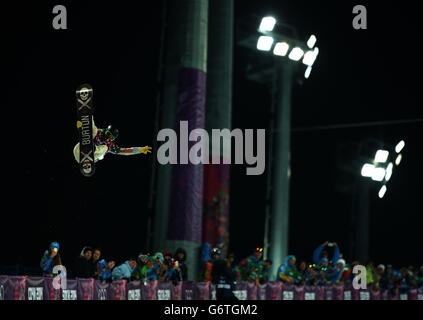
[281, 167]
[362, 225]
[218, 116]
[178, 217]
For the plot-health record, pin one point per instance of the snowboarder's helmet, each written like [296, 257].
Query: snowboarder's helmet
[111, 134]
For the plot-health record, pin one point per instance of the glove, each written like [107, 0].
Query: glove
[114, 149]
[145, 149]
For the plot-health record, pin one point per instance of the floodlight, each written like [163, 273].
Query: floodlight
[311, 41]
[264, 43]
[310, 57]
[389, 171]
[296, 54]
[378, 174]
[382, 191]
[281, 49]
[367, 170]
[381, 156]
[399, 146]
[398, 159]
[267, 24]
[307, 72]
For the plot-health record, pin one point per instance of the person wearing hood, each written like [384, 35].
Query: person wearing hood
[288, 272]
[50, 259]
[105, 269]
[180, 257]
[124, 270]
[83, 266]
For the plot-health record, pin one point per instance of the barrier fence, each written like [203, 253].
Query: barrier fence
[40, 288]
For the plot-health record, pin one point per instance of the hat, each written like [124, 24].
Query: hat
[159, 256]
[381, 266]
[324, 260]
[54, 245]
[142, 256]
[341, 261]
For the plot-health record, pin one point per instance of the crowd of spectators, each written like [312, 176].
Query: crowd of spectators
[167, 266]
[162, 266]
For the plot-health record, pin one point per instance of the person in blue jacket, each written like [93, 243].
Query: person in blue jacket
[105, 269]
[50, 259]
[322, 262]
[124, 270]
[288, 272]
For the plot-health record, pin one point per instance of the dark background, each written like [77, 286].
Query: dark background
[359, 76]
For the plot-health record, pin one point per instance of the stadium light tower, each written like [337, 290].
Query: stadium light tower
[282, 55]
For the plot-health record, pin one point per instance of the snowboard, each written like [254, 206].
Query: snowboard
[85, 109]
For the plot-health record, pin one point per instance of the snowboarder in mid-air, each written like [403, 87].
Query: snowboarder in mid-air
[95, 143]
[105, 142]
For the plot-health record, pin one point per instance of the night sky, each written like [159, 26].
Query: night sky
[359, 76]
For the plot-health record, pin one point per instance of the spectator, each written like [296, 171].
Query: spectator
[335, 272]
[160, 267]
[180, 256]
[288, 272]
[93, 263]
[348, 275]
[251, 266]
[419, 278]
[105, 269]
[370, 271]
[50, 259]
[378, 280]
[83, 267]
[151, 271]
[208, 259]
[405, 281]
[140, 273]
[124, 270]
[310, 278]
[265, 271]
[320, 257]
[173, 273]
[230, 261]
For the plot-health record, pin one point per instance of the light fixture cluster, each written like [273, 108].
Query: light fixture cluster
[269, 40]
[381, 168]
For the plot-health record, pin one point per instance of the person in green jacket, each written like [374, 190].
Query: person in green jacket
[140, 273]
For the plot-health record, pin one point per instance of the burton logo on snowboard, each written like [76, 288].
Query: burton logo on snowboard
[84, 101]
